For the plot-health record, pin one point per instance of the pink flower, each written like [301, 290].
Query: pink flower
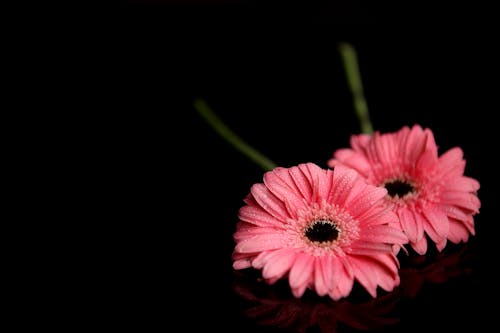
[321, 228]
[429, 194]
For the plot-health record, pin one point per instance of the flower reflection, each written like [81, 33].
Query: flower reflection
[275, 306]
[434, 269]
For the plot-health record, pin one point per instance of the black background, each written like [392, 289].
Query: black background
[273, 74]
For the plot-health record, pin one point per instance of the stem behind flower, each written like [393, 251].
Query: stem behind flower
[350, 60]
[226, 133]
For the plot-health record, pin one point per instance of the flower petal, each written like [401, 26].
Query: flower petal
[342, 278]
[242, 264]
[385, 234]
[384, 148]
[320, 179]
[242, 233]
[463, 184]
[415, 146]
[365, 200]
[321, 283]
[469, 224]
[377, 215]
[440, 245]
[301, 270]
[278, 264]
[430, 142]
[258, 217]
[458, 232]
[301, 182]
[451, 162]
[411, 226]
[461, 199]
[364, 247]
[456, 213]
[360, 142]
[427, 161]
[242, 260]
[269, 202]
[380, 270]
[299, 291]
[262, 258]
[420, 246]
[365, 274]
[283, 190]
[438, 221]
[260, 243]
[351, 159]
[344, 180]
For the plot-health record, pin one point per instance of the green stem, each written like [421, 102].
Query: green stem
[226, 133]
[350, 60]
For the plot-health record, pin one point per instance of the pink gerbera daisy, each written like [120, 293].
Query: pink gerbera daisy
[429, 193]
[321, 228]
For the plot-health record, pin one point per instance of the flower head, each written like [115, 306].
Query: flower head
[429, 193]
[321, 228]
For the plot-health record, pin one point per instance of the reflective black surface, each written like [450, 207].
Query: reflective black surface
[283, 90]
[275, 307]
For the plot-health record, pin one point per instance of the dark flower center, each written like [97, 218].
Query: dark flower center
[322, 231]
[399, 188]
